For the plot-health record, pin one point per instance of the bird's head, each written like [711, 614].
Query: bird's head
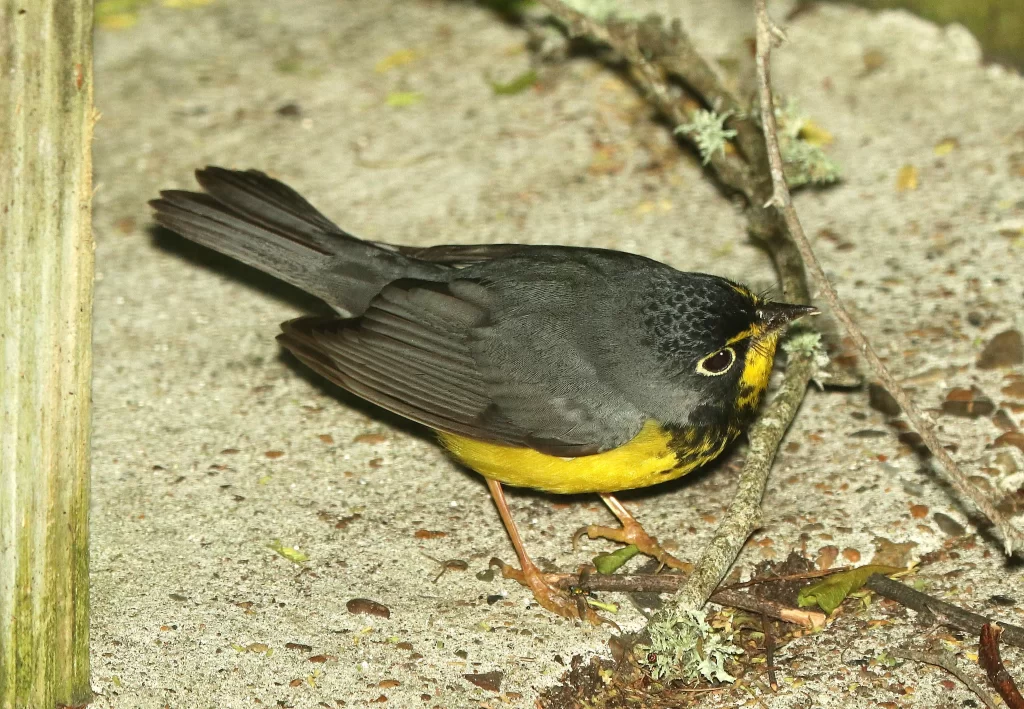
[720, 339]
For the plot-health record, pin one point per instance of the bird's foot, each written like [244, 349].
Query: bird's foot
[549, 595]
[632, 533]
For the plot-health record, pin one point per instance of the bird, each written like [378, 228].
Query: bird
[559, 368]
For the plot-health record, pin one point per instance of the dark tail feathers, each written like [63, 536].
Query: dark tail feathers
[266, 224]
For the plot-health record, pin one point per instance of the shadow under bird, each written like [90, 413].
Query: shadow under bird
[564, 369]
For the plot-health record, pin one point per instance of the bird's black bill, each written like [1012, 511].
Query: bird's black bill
[777, 315]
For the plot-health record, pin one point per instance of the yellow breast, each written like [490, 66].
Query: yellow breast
[651, 457]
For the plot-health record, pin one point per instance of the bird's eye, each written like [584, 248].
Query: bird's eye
[717, 363]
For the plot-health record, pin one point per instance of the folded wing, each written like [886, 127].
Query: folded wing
[415, 352]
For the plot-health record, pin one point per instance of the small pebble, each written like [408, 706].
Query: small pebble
[364, 606]
[1010, 438]
[826, 557]
[1003, 421]
[289, 110]
[968, 403]
[1004, 350]
[1004, 463]
[1014, 390]
[874, 59]
[948, 525]
[1001, 600]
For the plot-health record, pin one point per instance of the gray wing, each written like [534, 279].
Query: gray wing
[463, 254]
[432, 353]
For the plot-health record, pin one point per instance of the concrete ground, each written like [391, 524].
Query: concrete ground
[212, 449]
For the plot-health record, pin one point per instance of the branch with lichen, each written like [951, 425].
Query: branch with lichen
[767, 32]
[667, 629]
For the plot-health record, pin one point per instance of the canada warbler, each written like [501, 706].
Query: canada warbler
[558, 368]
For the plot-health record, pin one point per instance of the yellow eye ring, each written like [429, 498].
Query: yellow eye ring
[717, 363]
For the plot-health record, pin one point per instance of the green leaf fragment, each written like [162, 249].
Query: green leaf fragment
[610, 563]
[401, 99]
[886, 660]
[515, 86]
[603, 605]
[831, 591]
[290, 553]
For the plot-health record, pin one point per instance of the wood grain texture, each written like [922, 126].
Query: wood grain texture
[46, 282]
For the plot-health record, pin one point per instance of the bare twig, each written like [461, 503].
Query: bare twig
[749, 602]
[992, 663]
[769, 652]
[950, 665]
[788, 577]
[766, 33]
[944, 613]
[670, 583]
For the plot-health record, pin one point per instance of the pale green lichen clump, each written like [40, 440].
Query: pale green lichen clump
[687, 646]
[803, 159]
[708, 131]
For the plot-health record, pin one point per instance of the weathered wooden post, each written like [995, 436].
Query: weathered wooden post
[46, 285]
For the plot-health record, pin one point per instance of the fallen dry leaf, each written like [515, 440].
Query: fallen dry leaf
[919, 511]
[364, 606]
[907, 179]
[429, 534]
[490, 681]
[890, 553]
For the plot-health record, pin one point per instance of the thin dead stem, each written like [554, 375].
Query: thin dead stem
[950, 665]
[767, 33]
